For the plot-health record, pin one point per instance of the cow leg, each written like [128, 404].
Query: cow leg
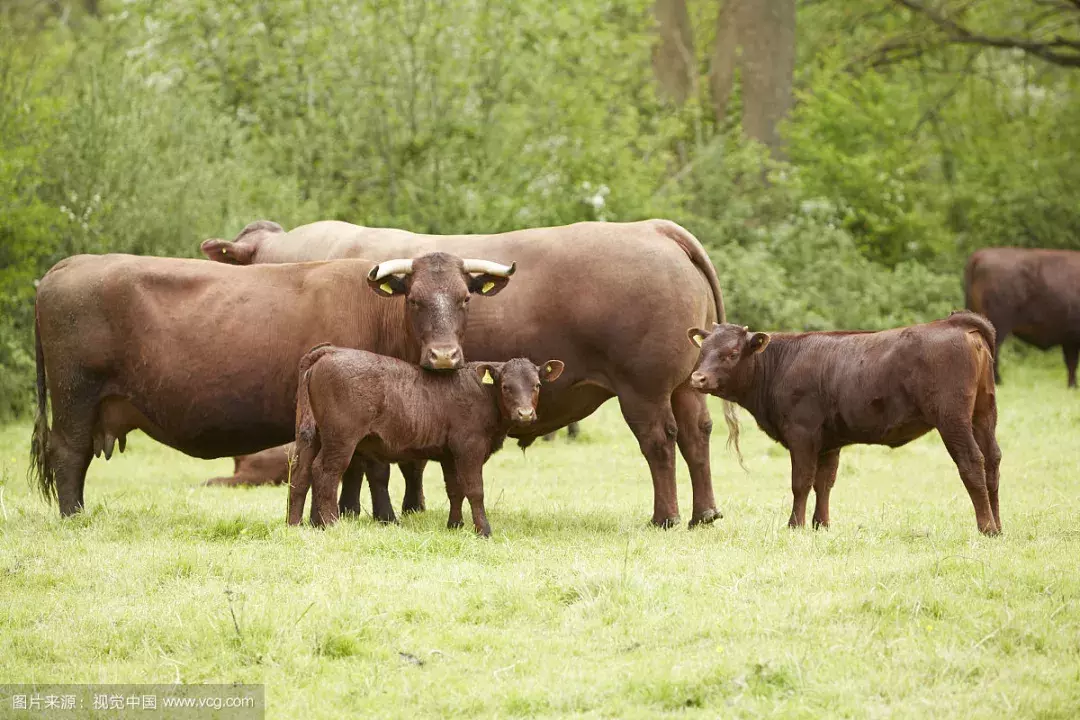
[804, 462]
[984, 427]
[959, 439]
[1000, 333]
[454, 494]
[573, 430]
[1071, 353]
[351, 484]
[824, 479]
[695, 427]
[69, 455]
[413, 472]
[379, 484]
[470, 479]
[300, 480]
[653, 424]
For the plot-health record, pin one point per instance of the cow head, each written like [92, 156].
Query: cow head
[437, 288]
[241, 249]
[518, 384]
[725, 351]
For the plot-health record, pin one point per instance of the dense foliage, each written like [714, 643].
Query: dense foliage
[149, 126]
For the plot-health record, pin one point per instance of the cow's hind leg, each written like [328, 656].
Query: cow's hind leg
[824, 480]
[959, 439]
[1071, 353]
[413, 472]
[70, 453]
[653, 424]
[331, 462]
[300, 478]
[379, 484]
[984, 426]
[695, 427]
[351, 484]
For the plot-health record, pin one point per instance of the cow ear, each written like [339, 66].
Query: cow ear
[487, 285]
[389, 286]
[551, 370]
[696, 335]
[488, 372]
[758, 342]
[226, 251]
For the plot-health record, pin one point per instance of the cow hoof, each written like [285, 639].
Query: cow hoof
[706, 518]
[410, 509]
[666, 523]
[349, 512]
[454, 524]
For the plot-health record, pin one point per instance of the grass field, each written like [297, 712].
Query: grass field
[575, 606]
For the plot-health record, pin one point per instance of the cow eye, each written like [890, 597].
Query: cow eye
[537, 386]
[734, 353]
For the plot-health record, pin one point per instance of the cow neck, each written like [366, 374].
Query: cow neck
[754, 383]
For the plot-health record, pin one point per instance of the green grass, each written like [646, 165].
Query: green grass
[575, 606]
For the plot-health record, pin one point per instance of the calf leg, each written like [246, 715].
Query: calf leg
[331, 462]
[413, 472]
[379, 484]
[960, 442]
[300, 480]
[984, 426]
[694, 428]
[824, 480]
[454, 494]
[470, 478]
[804, 462]
[653, 424]
[351, 483]
[1071, 353]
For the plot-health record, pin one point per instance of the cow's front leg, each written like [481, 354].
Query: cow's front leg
[470, 480]
[453, 494]
[804, 463]
[653, 424]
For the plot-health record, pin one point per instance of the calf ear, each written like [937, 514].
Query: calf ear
[758, 342]
[551, 370]
[487, 285]
[696, 335]
[488, 372]
[389, 286]
[226, 251]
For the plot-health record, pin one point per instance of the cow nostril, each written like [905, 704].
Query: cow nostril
[697, 378]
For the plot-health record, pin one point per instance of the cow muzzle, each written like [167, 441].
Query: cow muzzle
[699, 381]
[525, 415]
[443, 358]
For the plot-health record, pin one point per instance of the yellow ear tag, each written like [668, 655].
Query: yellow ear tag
[224, 251]
[487, 287]
[487, 379]
[698, 340]
[385, 287]
[547, 368]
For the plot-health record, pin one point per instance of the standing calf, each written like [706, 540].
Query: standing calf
[355, 402]
[818, 392]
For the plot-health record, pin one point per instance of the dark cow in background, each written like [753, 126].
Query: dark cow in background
[818, 392]
[610, 299]
[267, 467]
[1032, 294]
[202, 356]
[355, 402]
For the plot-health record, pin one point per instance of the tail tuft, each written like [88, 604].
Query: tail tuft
[41, 473]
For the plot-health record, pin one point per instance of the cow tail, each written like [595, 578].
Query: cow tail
[696, 252]
[305, 419]
[41, 473]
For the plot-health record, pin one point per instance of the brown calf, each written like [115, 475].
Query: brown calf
[818, 392]
[352, 402]
[268, 467]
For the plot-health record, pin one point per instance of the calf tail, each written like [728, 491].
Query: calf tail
[977, 322]
[41, 473]
[305, 419]
[731, 417]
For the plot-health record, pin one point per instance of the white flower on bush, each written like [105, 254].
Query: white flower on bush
[597, 199]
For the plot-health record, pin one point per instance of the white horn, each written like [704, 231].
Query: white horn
[401, 266]
[489, 267]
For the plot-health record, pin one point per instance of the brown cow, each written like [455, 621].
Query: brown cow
[1033, 294]
[607, 298]
[816, 393]
[355, 402]
[202, 356]
[268, 467]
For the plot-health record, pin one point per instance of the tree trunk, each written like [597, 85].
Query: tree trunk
[673, 54]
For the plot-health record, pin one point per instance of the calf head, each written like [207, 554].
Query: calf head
[725, 352]
[517, 382]
[241, 249]
[437, 288]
